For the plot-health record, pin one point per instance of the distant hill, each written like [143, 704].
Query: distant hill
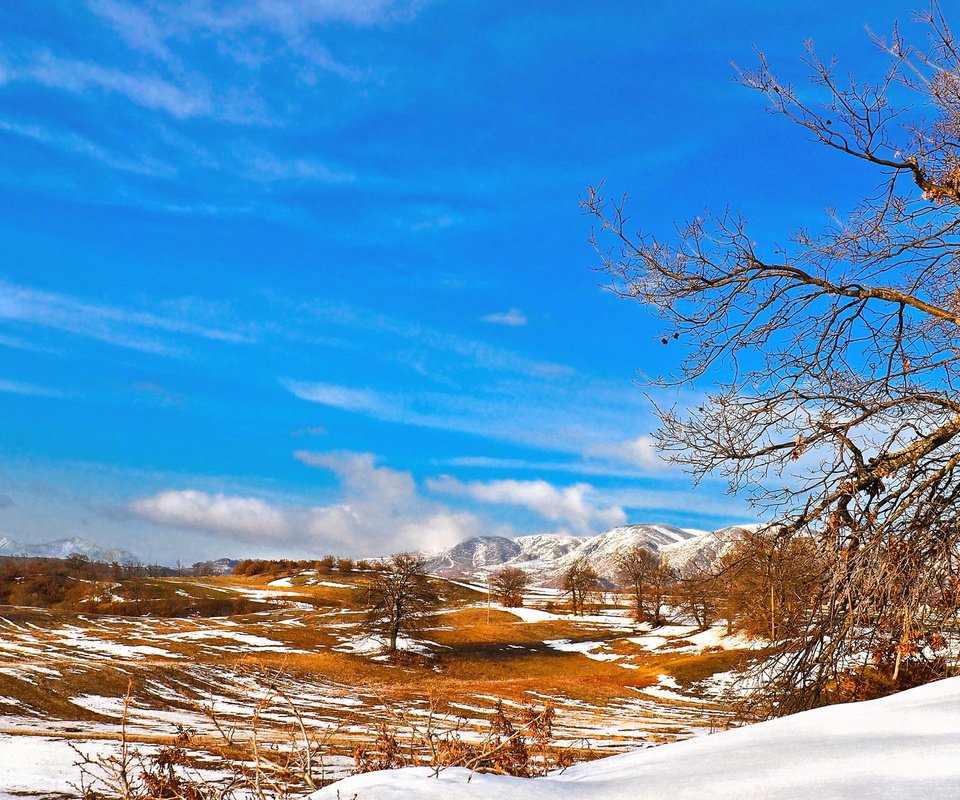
[222, 566]
[61, 548]
[544, 557]
[490, 552]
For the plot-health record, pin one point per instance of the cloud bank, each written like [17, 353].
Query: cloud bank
[380, 510]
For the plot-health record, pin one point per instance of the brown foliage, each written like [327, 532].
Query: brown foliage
[508, 584]
[580, 581]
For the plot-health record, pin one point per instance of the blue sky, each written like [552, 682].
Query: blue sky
[289, 278]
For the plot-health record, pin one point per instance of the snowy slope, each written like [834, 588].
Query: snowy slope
[545, 546]
[904, 746]
[481, 554]
[702, 551]
[472, 555]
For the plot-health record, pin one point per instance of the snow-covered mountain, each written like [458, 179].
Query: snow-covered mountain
[702, 551]
[545, 556]
[61, 548]
[481, 554]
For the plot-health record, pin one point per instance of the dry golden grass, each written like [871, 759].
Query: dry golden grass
[473, 659]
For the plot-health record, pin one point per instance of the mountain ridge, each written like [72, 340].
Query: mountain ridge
[545, 556]
[61, 548]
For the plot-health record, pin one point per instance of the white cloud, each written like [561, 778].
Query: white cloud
[244, 517]
[343, 397]
[382, 508]
[514, 318]
[575, 505]
[361, 478]
[379, 511]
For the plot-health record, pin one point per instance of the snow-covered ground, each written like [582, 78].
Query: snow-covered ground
[904, 746]
[40, 765]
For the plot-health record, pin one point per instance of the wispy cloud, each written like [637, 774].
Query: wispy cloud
[574, 467]
[343, 397]
[18, 343]
[135, 330]
[310, 430]
[30, 389]
[69, 142]
[574, 505]
[699, 502]
[136, 25]
[473, 352]
[262, 165]
[640, 452]
[159, 394]
[551, 418]
[147, 90]
[161, 29]
[512, 318]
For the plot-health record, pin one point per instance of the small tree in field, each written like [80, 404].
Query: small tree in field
[399, 595]
[580, 581]
[697, 594]
[835, 361]
[658, 589]
[772, 584]
[508, 584]
[634, 570]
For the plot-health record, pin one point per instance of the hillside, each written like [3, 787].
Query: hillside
[903, 746]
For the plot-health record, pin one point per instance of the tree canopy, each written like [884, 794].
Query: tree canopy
[834, 362]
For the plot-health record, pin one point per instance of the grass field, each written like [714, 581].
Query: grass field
[614, 684]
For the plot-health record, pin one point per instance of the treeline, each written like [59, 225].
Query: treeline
[762, 586]
[76, 583]
[250, 567]
[776, 588]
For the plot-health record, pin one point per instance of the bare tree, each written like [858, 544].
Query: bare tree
[399, 594]
[579, 580]
[508, 584]
[836, 361]
[634, 569]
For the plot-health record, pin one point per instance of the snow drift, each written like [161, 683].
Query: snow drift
[903, 746]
